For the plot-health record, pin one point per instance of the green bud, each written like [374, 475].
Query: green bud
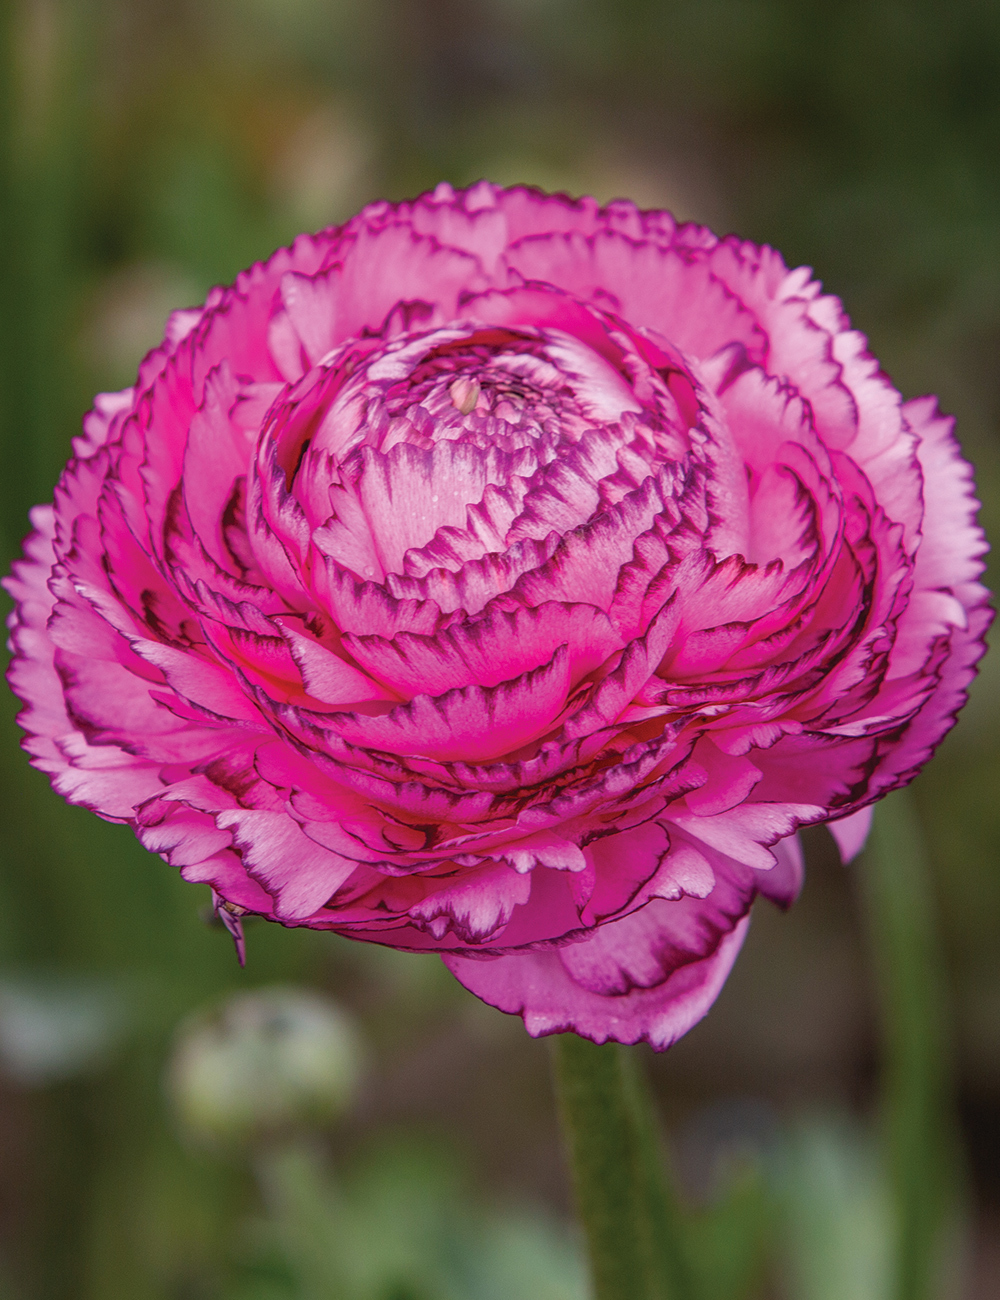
[262, 1064]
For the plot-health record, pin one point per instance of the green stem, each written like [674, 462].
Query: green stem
[312, 1221]
[916, 1084]
[667, 1242]
[630, 1221]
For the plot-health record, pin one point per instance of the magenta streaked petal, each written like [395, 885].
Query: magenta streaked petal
[483, 231]
[952, 543]
[642, 949]
[395, 265]
[408, 494]
[498, 646]
[108, 703]
[327, 676]
[183, 836]
[217, 453]
[824, 768]
[745, 834]
[297, 873]
[638, 663]
[650, 286]
[470, 722]
[799, 348]
[271, 554]
[782, 884]
[475, 905]
[198, 680]
[228, 877]
[586, 563]
[620, 864]
[112, 792]
[542, 849]
[367, 607]
[478, 582]
[101, 424]
[310, 303]
[171, 404]
[730, 781]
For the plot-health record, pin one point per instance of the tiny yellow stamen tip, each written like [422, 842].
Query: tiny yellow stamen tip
[465, 394]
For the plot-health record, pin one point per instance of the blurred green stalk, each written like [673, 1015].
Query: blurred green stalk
[630, 1220]
[918, 1118]
[43, 62]
[306, 1208]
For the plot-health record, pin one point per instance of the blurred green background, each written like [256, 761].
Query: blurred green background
[152, 148]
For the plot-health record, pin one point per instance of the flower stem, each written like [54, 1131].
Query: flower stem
[916, 1084]
[634, 1236]
[310, 1216]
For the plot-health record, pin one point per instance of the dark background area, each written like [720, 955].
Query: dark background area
[152, 149]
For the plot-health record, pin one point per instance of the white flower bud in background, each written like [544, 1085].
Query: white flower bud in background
[263, 1063]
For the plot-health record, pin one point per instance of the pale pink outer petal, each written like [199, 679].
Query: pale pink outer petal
[783, 883]
[949, 562]
[105, 778]
[102, 422]
[538, 987]
[851, 833]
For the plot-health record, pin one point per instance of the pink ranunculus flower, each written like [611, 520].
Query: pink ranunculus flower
[506, 577]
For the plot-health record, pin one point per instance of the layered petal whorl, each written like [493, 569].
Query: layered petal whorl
[506, 577]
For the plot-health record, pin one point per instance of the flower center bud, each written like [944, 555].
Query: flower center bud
[433, 448]
[465, 394]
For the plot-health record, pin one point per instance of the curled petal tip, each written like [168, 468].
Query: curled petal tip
[231, 918]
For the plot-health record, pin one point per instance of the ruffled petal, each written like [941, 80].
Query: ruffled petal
[538, 987]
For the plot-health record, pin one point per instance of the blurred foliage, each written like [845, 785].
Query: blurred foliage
[150, 149]
[838, 1213]
[401, 1226]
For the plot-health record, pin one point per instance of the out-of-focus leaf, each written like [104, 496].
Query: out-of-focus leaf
[55, 1027]
[837, 1219]
[401, 1225]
